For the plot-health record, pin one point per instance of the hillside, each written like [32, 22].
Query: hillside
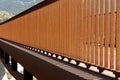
[17, 6]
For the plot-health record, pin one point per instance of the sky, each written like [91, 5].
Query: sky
[17, 6]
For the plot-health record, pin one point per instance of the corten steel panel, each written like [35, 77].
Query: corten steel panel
[96, 31]
[118, 37]
[53, 32]
[68, 27]
[33, 29]
[101, 30]
[112, 34]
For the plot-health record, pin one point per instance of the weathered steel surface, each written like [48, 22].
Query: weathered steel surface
[84, 30]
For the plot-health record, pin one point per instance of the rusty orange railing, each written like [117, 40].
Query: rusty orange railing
[85, 30]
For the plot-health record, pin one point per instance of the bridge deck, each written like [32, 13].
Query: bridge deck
[47, 68]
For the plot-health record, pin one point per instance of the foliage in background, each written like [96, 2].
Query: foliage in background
[4, 15]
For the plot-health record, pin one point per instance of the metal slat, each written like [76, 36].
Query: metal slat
[88, 31]
[118, 37]
[101, 31]
[107, 33]
[112, 38]
[85, 31]
[92, 32]
[96, 32]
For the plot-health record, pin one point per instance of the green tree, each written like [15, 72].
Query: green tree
[4, 15]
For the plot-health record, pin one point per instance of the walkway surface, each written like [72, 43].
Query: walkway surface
[2, 70]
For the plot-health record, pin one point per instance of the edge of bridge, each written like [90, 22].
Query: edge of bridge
[40, 65]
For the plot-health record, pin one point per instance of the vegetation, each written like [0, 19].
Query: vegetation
[4, 15]
[34, 78]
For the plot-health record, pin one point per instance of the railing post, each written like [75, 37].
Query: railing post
[6, 58]
[27, 75]
[14, 64]
[1, 53]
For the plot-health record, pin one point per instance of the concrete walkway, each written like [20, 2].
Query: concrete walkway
[7, 74]
[2, 70]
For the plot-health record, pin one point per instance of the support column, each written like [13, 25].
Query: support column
[27, 75]
[1, 53]
[14, 64]
[6, 58]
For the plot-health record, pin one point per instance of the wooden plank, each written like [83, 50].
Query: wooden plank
[92, 32]
[101, 31]
[96, 32]
[118, 38]
[112, 35]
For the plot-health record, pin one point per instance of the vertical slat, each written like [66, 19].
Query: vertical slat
[106, 33]
[50, 29]
[112, 37]
[88, 30]
[92, 31]
[63, 26]
[72, 29]
[85, 29]
[41, 28]
[56, 27]
[80, 28]
[118, 37]
[67, 29]
[96, 32]
[53, 40]
[101, 31]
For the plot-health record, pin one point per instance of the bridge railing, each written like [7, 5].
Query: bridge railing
[84, 30]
